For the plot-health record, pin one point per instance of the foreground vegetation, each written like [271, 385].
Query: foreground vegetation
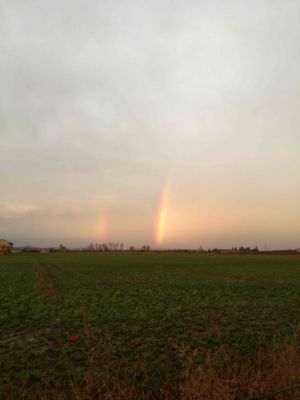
[144, 325]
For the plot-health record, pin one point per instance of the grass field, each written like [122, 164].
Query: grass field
[137, 308]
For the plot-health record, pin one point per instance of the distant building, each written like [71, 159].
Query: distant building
[45, 251]
[224, 251]
[5, 247]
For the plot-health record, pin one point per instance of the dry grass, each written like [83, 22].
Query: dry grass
[219, 375]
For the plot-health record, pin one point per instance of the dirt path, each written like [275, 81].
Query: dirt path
[44, 282]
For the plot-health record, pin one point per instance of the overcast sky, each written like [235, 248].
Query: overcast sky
[104, 104]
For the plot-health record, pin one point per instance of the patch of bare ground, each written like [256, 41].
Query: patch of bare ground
[38, 340]
[44, 282]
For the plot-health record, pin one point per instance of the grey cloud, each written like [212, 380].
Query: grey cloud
[114, 97]
[16, 210]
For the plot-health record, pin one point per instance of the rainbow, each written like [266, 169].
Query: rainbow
[160, 223]
[103, 227]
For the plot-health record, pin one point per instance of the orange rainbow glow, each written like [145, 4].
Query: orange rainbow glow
[160, 226]
[103, 227]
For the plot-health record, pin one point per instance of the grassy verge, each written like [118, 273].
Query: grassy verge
[220, 374]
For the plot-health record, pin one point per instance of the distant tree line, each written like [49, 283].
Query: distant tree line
[111, 246]
[240, 249]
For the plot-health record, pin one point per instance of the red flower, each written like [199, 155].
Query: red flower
[74, 338]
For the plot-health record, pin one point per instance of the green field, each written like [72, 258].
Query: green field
[139, 307]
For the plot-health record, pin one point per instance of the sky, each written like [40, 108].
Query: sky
[168, 123]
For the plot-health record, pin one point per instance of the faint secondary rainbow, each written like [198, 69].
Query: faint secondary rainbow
[160, 225]
[103, 227]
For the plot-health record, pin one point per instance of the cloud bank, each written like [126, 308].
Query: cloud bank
[102, 102]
